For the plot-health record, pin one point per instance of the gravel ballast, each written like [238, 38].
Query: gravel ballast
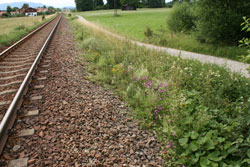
[79, 123]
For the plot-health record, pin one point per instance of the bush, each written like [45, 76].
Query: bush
[219, 21]
[245, 42]
[181, 17]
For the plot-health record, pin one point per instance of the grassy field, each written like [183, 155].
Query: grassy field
[200, 112]
[14, 28]
[133, 24]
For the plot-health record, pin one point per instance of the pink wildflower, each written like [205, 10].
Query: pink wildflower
[168, 146]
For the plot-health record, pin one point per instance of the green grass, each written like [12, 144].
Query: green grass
[12, 29]
[200, 112]
[133, 24]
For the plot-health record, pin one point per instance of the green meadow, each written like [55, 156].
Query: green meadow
[133, 25]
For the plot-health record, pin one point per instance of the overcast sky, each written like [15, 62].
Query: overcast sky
[55, 3]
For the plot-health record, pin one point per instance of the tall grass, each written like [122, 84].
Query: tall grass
[200, 112]
[15, 28]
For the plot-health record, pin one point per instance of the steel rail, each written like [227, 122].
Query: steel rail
[12, 47]
[10, 116]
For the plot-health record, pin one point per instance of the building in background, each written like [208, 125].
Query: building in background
[2, 13]
[30, 12]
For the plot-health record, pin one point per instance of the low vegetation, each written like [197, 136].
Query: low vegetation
[13, 29]
[245, 41]
[200, 112]
[133, 25]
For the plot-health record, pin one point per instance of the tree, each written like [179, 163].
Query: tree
[112, 2]
[99, 3]
[156, 3]
[134, 3]
[174, 1]
[9, 9]
[15, 9]
[44, 6]
[143, 3]
[52, 9]
[25, 5]
[84, 5]
[219, 20]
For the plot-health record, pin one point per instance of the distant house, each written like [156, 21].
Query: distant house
[15, 13]
[42, 10]
[2, 13]
[128, 7]
[29, 12]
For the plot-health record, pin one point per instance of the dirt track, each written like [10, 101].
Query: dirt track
[234, 66]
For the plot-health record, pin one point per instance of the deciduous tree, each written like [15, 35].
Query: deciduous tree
[9, 9]
[111, 4]
[156, 3]
[130, 2]
[84, 5]
[219, 20]
[26, 5]
[15, 9]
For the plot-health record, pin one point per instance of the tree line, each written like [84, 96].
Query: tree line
[86, 5]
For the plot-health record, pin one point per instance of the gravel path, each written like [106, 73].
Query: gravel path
[80, 123]
[234, 66]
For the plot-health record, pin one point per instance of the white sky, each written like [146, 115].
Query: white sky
[55, 3]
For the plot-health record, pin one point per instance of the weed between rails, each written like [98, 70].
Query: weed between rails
[199, 111]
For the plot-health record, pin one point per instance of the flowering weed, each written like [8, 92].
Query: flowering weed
[200, 112]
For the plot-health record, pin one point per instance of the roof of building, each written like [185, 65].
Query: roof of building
[40, 10]
[30, 10]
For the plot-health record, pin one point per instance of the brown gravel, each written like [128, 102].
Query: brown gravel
[80, 123]
[2, 48]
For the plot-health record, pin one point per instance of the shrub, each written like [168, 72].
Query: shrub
[69, 15]
[148, 33]
[219, 21]
[181, 17]
[245, 42]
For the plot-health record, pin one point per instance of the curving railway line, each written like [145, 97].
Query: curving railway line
[18, 65]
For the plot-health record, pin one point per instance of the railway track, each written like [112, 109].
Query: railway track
[18, 65]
